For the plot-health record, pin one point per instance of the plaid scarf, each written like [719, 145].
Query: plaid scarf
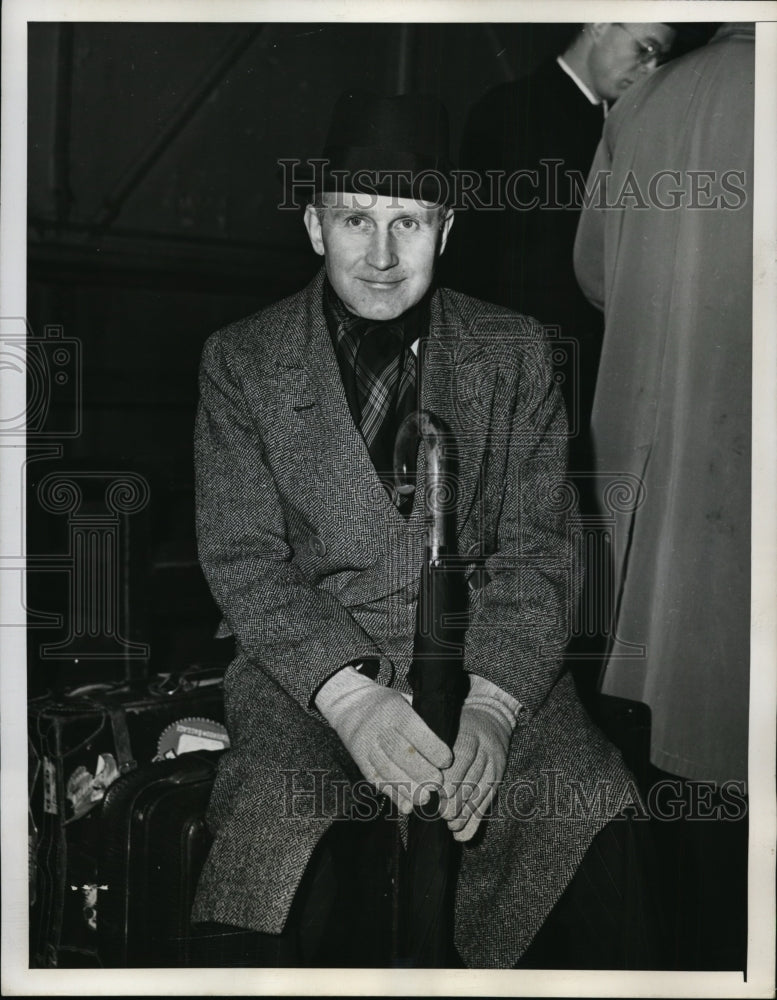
[378, 368]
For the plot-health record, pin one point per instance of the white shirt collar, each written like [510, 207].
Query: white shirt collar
[586, 90]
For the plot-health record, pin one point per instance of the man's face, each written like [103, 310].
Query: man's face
[379, 252]
[621, 55]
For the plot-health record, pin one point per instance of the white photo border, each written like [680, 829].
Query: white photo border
[17, 978]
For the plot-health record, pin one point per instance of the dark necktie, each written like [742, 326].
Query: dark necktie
[379, 372]
[385, 373]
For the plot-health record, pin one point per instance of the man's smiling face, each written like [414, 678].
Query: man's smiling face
[379, 251]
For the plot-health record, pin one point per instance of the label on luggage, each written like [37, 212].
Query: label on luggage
[186, 735]
[84, 789]
[49, 787]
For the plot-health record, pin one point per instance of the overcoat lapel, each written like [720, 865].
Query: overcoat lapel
[328, 440]
[451, 392]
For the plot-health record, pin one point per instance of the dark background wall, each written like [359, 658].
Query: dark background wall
[153, 220]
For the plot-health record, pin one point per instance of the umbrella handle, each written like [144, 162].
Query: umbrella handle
[440, 493]
[436, 674]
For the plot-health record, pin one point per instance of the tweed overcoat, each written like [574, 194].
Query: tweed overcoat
[313, 567]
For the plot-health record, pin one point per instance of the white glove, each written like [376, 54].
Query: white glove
[488, 719]
[389, 742]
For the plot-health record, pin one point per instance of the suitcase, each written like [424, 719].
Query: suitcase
[154, 845]
[80, 745]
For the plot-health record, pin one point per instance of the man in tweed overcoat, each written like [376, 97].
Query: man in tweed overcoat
[316, 571]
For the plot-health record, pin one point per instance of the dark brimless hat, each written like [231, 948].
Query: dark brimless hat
[386, 145]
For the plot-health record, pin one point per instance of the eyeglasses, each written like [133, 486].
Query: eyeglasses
[646, 51]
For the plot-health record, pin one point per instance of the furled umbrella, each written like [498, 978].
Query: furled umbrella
[439, 686]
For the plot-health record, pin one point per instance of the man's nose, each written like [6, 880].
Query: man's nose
[381, 253]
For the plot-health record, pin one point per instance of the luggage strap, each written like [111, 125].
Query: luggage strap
[121, 739]
[106, 700]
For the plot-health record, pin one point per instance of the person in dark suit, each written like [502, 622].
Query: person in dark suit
[315, 560]
[541, 133]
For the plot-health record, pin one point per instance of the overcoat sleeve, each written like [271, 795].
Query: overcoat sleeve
[298, 633]
[521, 619]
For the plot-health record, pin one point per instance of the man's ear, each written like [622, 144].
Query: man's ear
[445, 228]
[313, 226]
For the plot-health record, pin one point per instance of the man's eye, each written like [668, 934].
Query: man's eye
[408, 224]
[354, 222]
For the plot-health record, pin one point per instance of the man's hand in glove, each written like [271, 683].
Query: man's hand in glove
[488, 718]
[388, 741]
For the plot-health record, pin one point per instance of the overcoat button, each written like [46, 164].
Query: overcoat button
[318, 545]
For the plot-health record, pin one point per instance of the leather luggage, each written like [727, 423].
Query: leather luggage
[154, 845]
[81, 745]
